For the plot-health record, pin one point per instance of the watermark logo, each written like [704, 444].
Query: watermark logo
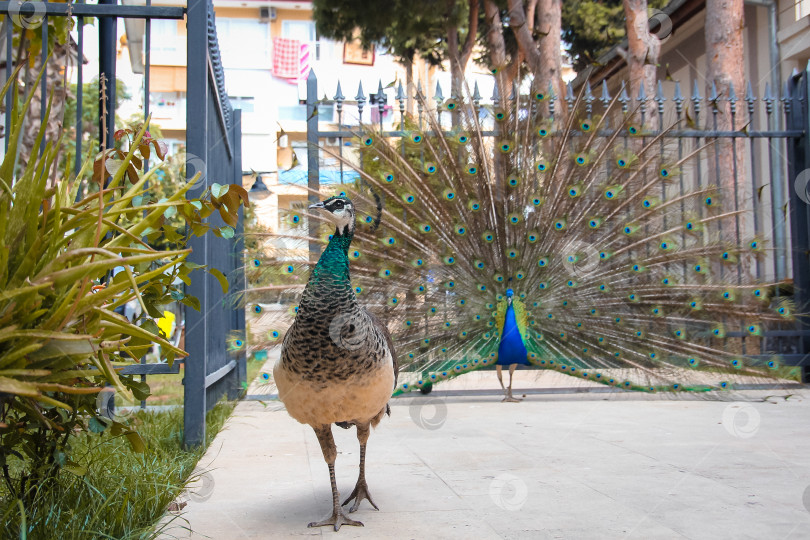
[658, 24]
[201, 487]
[508, 492]
[430, 414]
[741, 420]
[581, 259]
[29, 15]
[115, 405]
[187, 164]
[802, 186]
[349, 330]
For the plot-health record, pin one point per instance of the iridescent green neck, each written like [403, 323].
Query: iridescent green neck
[332, 270]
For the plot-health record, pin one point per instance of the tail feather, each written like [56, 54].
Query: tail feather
[630, 276]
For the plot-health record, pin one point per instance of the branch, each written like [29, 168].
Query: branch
[472, 32]
[523, 35]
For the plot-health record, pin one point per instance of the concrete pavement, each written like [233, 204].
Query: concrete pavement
[576, 466]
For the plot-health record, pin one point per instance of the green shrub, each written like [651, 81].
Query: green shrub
[61, 341]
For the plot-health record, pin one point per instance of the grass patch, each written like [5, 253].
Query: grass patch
[168, 389]
[123, 493]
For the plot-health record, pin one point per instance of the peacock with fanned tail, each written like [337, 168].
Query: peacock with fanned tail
[571, 243]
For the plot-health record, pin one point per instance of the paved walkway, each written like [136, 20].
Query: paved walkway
[576, 466]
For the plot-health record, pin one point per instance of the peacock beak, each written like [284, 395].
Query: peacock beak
[317, 206]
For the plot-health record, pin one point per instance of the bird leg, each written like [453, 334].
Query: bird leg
[361, 489]
[329, 450]
[499, 371]
[509, 397]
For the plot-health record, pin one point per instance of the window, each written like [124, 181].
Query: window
[164, 35]
[303, 31]
[802, 8]
[244, 43]
[300, 30]
[245, 104]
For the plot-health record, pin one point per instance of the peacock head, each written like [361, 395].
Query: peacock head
[509, 294]
[340, 211]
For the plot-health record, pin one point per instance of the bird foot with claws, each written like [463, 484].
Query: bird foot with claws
[360, 492]
[510, 399]
[337, 519]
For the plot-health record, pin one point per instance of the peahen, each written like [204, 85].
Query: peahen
[580, 243]
[337, 363]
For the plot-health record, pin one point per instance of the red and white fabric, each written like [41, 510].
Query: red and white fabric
[290, 59]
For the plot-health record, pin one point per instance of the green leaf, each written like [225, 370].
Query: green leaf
[135, 441]
[223, 281]
[74, 468]
[218, 190]
[226, 232]
[96, 426]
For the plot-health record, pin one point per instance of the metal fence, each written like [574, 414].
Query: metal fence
[771, 185]
[213, 145]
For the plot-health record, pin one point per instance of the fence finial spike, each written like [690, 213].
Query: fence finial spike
[642, 93]
[696, 91]
[360, 96]
[768, 96]
[310, 76]
[713, 92]
[495, 93]
[605, 93]
[339, 94]
[659, 92]
[623, 97]
[400, 92]
[749, 92]
[678, 96]
[732, 95]
[476, 93]
[438, 96]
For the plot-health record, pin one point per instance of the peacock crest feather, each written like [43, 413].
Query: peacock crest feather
[618, 273]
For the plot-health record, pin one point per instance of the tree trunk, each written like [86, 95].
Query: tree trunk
[549, 27]
[54, 86]
[497, 49]
[456, 72]
[410, 90]
[642, 54]
[460, 57]
[724, 55]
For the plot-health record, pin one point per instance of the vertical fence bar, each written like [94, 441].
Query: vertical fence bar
[798, 165]
[313, 165]
[77, 164]
[147, 70]
[43, 89]
[197, 150]
[239, 374]
[106, 72]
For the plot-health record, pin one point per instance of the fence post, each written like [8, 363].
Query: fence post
[106, 72]
[799, 201]
[313, 165]
[239, 374]
[194, 402]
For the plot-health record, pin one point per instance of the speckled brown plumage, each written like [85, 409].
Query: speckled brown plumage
[337, 362]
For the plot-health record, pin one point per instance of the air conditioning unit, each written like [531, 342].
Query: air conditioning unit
[267, 13]
[332, 141]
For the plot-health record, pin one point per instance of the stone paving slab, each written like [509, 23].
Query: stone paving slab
[568, 466]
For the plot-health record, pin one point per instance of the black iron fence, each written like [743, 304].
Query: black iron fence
[770, 180]
[213, 147]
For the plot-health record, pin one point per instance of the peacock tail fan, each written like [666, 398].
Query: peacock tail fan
[622, 274]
